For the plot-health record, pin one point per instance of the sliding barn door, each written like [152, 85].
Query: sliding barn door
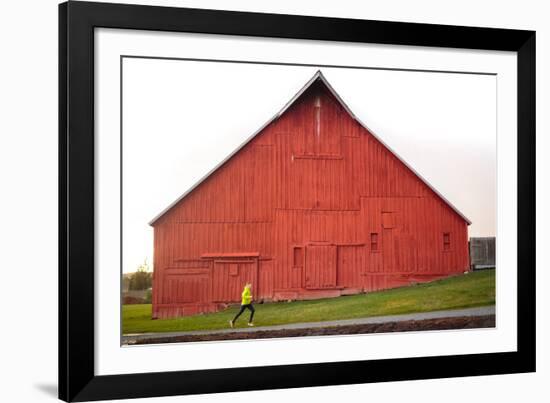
[320, 266]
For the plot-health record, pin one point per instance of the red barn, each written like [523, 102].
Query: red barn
[313, 205]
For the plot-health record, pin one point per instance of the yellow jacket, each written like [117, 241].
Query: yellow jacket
[246, 297]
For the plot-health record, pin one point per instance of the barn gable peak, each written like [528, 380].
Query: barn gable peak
[318, 77]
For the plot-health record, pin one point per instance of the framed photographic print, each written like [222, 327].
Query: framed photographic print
[258, 201]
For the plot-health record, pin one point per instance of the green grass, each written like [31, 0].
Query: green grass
[463, 291]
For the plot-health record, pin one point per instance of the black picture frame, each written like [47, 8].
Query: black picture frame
[77, 20]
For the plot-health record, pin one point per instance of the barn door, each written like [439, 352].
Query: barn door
[388, 235]
[230, 276]
[351, 266]
[388, 250]
[320, 266]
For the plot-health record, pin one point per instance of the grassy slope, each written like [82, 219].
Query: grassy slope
[474, 289]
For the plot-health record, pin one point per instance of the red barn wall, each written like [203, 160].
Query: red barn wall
[313, 206]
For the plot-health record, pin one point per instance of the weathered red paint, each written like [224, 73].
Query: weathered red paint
[313, 206]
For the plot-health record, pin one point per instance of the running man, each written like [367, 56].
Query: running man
[246, 303]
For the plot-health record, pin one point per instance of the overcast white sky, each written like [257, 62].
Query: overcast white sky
[182, 118]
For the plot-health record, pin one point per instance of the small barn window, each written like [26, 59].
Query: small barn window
[446, 241]
[234, 269]
[387, 220]
[374, 242]
[298, 257]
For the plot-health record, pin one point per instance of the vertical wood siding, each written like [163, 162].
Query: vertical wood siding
[313, 179]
